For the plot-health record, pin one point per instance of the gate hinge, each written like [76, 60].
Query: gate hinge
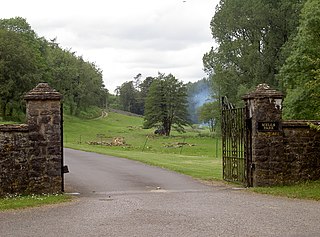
[65, 169]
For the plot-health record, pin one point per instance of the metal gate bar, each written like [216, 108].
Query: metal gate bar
[234, 145]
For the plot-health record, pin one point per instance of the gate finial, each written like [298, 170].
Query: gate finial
[263, 86]
[263, 91]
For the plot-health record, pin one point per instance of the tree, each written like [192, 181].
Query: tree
[301, 71]
[132, 94]
[26, 59]
[143, 92]
[166, 104]
[250, 35]
[79, 81]
[137, 80]
[113, 102]
[209, 113]
[20, 63]
[128, 97]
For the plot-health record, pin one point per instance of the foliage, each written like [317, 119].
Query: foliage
[132, 95]
[209, 113]
[80, 82]
[113, 101]
[250, 35]
[301, 71]
[314, 126]
[128, 97]
[26, 60]
[143, 92]
[20, 63]
[166, 104]
[90, 112]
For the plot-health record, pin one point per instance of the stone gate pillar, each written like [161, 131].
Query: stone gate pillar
[264, 111]
[44, 122]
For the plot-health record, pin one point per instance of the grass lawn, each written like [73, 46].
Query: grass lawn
[191, 153]
[19, 202]
[305, 190]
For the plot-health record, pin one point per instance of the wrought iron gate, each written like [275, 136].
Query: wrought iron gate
[235, 145]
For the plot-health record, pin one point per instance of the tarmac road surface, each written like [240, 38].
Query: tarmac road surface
[119, 197]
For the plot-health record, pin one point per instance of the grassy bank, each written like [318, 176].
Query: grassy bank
[305, 190]
[19, 202]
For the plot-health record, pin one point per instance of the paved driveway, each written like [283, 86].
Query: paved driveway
[119, 197]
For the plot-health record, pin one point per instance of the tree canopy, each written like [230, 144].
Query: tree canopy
[21, 62]
[250, 36]
[301, 71]
[26, 60]
[132, 94]
[166, 104]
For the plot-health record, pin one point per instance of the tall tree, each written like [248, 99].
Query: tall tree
[26, 59]
[250, 35]
[143, 92]
[79, 81]
[166, 104]
[301, 72]
[132, 94]
[128, 97]
[20, 62]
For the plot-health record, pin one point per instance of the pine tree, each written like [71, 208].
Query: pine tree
[166, 104]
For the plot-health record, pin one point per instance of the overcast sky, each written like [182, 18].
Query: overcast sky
[126, 37]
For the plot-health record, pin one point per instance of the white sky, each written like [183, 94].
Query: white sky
[126, 37]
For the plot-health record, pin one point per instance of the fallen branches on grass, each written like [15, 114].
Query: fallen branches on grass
[177, 144]
[116, 141]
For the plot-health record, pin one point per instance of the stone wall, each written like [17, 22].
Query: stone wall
[31, 154]
[282, 152]
[301, 151]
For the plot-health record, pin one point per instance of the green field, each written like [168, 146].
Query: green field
[17, 201]
[304, 190]
[194, 153]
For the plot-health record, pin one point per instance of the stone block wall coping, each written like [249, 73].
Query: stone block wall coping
[263, 91]
[14, 128]
[299, 123]
[43, 92]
